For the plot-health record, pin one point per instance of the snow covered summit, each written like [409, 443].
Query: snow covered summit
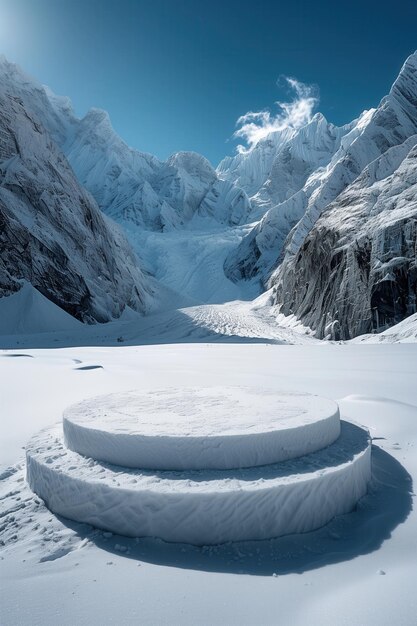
[52, 233]
[134, 187]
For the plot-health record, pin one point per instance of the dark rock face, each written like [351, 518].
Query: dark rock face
[52, 233]
[343, 293]
[356, 271]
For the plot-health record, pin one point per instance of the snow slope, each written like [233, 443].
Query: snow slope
[190, 261]
[403, 332]
[28, 312]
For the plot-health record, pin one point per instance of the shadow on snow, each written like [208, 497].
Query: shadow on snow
[172, 326]
[386, 505]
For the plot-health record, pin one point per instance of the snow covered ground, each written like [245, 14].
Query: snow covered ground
[208, 332]
[359, 569]
[237, 321]
[403, 332]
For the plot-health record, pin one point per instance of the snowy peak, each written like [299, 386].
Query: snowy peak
[194, 165]
[133, 187]
[310, 148]
[303, 187]
[97, 116]
[279, 165]
[52, 233]
[251, 169]
[404, 89]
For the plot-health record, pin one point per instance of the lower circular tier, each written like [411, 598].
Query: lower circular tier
[202, 507]
[200, 428]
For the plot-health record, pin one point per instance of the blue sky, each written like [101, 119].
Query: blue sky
[177, 74]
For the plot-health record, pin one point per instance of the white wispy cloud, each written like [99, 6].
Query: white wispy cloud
[255, 125]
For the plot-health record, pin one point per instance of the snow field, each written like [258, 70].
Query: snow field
[200, 428]
[59, 571]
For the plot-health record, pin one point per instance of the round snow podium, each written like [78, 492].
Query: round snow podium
[200, 428]
[201, 465]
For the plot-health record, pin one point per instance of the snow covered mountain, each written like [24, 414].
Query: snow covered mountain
[299, 161]
[356, 271]
[131, 187]
[324, 214]
[134, 187]
[280, 164]
[282, 242]
[52, 233]
[355, 145]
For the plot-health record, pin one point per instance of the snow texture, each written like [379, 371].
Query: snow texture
[403, 332]
[200, 428]
[58, 571]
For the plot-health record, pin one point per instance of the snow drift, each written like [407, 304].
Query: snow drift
[28, 311]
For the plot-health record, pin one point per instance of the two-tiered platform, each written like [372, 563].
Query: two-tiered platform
[201, 465]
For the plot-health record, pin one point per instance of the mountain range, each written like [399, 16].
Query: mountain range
[324, 216]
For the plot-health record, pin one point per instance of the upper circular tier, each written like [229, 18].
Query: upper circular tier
[200, 428]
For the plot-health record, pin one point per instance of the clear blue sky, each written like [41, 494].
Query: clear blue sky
[176, 74]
